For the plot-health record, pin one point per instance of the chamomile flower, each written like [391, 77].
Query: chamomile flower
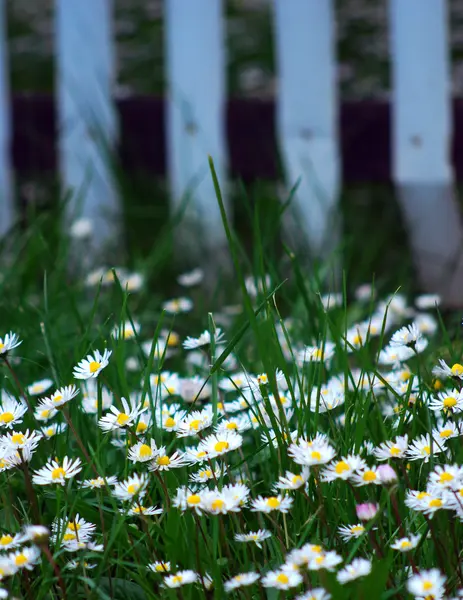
[292, 481]
[445, 477]
[446, 430]
[359, 567]
[350, 532]
[448, 401]
[281, 580]
[239, 423]
[10, 341]
[425, 502]
[311, 453]
[241, 580]
[142, 451]
[456, 370]
[131, 488]
[314, 594]
[11, 412]
[163, 462]
[72, 529]
[218, 444]
[406, 544]
[427, 584]
[205, 475]
[7, 567]
[343, 469]
[327, 561]
[144, 511]
[189, 499]
[196, 421]
[366, 476]
[76, 564]
[177, 306]
[273, 503]
[53, 429]
[256, 537]
[99, 482]
[203, 340]
[9, 541]
[92, 365]
[406, 336]
[117, 419]
[37, 534]
[90, 397]
[323, 353]
[159, 567]
[17, 440]
[217, 502]
[44, 413]
[179, 579]
[59, 398]
[26, 558]
[57, 473]
[39, 387]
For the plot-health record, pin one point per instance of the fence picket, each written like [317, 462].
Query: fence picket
[307, 118]
[195, 71]
[87, 119]
[7, 212]
[422, 123]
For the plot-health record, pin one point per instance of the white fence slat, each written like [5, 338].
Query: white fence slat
[307, 118]
[195, 71]
[7, 212]
[87, 116]
[422, 121]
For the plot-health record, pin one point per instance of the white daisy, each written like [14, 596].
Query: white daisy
[406, 544]
[241, 580]
[99, 482]
[191, 278]
[359, 567]
[10, 341]
[59, 398]
[159, 567]
[163, 462]
[177, 306]
[179, 579]
[142, 452]
[456, 370]
[424, 447]
[281, 580]
[133, 487]
[26, 558]
[203, 340]
[256, 537]
[117, 419]
[56, 473]
[273, 503]
[292, 481]
[195, 422]
[350, 532]
[218, 444]
[92, 365]
[11, 412]
[427, 584]
[39, 387]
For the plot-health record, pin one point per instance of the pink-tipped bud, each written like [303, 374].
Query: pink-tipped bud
[366, 511]
[386, 474]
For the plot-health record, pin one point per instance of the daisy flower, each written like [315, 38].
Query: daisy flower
[99, 482]
[92, 365]
[322, 353]
[59, 398]
[159, 567]
[26, 558]
[366, 510]
[446, 431]
[311, 453]
[273, 503]
[343, 469]
[10, 341]
[37, 534]
[314, 594]
[177, 306]
[359, 567]
[126, 331]
[70, 529]
[449, 402]
[39, 387]
[11, 412]
[7, 568]
[133, 487]
[191, 278]
[180, 578]
[366, 476]
[392, 449]
[406, 544]
[218, 444]
[424, 447]
[445, 477]
[90, 397]
[142, 452]
[241, 580]
[240, 423]
[17, 440]
[257, 537]
[53, 429]
[281, 580]
[189, 499]
[427, 301]
[427, 584]
[203, 340]
[44, 413]
[76, 564]
[145, 511]
[424, 502]
[350, 532]
[116, 419]
[406, 336]
[292, 481]
[55, 473]
[456, 370]
[205, 475]
[327, 561]
[217, 502]
[163, 462]
[8, 541]
[196, 421]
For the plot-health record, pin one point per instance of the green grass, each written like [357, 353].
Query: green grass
[60, 320]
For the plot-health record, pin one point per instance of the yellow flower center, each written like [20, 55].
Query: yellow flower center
[405, 544]
[145, 451]
[162, 567]
[195, 424]
[7, 417]
[94, 366]
[450, 402]
[369, 476]
[426, 450]
[273, 502]
[394, 450]
[217, 504]
[457, 369]
[316, 549]
[445, 433]
[221, 446]
[177, 579]
[341, 467]
[438, 385]
[99, 481]
[5, 540]
[170, 422]
[231, 425]
[57, 398]
[141, 427]
[262, 379]
[194, 499]
[18, 438]
[45, 413]
[296, 480]
[133, 488]
[68, 537]
[318, 354]
[163, 461]
[58, 473]
[2, 345]
[282, 578]
[357, 529]
[36, 388]
[422, 495]
[435, 503]
[20, 560]
[73, 526]
[427, 585]
[357, 340]
[201, 454]
[122, 419]
[319, 560]
[316, 455]
[445, 477]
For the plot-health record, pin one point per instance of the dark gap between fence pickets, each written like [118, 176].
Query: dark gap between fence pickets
[252, 140]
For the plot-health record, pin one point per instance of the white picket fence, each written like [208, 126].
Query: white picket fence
[307, 121]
